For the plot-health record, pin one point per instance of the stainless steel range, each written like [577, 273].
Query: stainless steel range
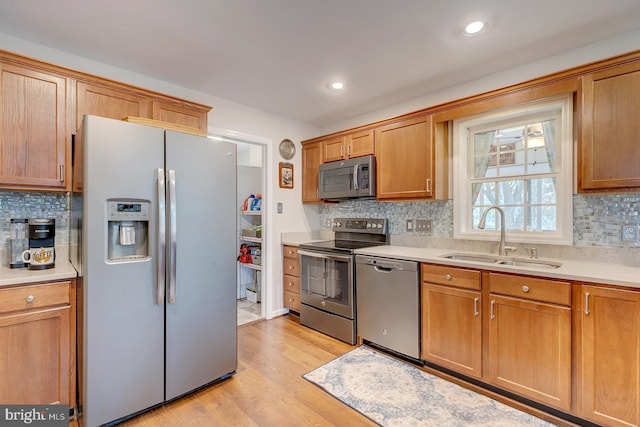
[327, 278]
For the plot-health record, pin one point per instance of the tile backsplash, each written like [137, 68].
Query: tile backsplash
[597, 219]
[35, 205]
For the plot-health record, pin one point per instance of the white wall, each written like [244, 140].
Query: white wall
[225, 115]
[619, 45]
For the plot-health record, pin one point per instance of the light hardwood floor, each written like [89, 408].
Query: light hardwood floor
[268, 388]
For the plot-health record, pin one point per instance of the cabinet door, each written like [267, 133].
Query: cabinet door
[311, 160]
[530, 349]
[452, 328]
[360, 144]
[610, 356]
[34, 362]
[404, 159]
[111, 102]
[33, 133]
[608, 147]
[333, 149]
[178, 115]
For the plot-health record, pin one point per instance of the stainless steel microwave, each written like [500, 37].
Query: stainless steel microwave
[348, 179]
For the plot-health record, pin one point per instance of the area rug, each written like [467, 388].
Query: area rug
[394, 393]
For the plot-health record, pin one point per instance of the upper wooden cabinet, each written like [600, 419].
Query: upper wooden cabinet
[114, 103]
[34, 140]
[191, 116]
[411, 159]
[341, 147]
[42, 106]
[311, 160]
[608, 149]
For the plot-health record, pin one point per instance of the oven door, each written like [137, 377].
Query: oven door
[326, 282]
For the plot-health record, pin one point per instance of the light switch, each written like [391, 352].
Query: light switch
[279, 207]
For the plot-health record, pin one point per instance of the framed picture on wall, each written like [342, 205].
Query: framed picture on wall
[286, 175]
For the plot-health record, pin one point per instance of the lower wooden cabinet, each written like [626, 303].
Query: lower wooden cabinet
[452, 329]
[609, 356]
[37, 337]
[529, 350]
[451, 320]
[291, 278]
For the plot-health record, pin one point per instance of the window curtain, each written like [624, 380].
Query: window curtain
[482, 143]
[549, 134]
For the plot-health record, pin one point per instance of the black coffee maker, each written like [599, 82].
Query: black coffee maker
[42, 234]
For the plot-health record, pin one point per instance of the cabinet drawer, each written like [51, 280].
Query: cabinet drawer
[530, 288]
[451, 276]
[292, 301]
[33, 296]
[292, 267]
[291, 283]
[290, 251]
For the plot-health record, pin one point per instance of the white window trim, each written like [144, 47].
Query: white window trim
[462, 170]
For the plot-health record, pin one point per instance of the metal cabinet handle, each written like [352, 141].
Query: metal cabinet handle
[428, 185]
[349, 150]
[290, 299]
[342, 152]
[30, 298]
[525, 289]
[448, 277]
[290, 284]
[291, 267]
[475, 306]
[586, 303]
[491, 313]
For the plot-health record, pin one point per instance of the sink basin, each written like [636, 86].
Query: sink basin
[526, 262]
[494, 259]
[472, 257]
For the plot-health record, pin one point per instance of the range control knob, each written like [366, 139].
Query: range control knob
[379, 225]
[369, 225]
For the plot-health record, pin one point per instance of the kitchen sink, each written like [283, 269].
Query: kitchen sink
[493, 259]
[472, 257]
[528, 262]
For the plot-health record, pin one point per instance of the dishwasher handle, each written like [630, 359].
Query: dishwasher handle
[384, 266]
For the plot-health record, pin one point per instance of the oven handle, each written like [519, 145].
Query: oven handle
[346, 258]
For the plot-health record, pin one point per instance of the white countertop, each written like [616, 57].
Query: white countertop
[17, 276]
[587, 271]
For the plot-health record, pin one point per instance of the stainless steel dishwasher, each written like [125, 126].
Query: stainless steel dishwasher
[388, 303]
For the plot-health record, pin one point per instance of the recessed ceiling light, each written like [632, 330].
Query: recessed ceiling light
[474, 28]
[337, 85]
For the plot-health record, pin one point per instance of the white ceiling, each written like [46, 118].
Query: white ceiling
[280, 55]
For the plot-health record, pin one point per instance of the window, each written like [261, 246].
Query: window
[519, 159]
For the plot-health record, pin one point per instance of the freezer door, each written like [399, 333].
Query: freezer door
[201, 303]
[122, 362]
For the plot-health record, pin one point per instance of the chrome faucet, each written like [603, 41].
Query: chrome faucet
[502, 248]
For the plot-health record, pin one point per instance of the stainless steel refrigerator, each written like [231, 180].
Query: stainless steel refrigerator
[153, 238]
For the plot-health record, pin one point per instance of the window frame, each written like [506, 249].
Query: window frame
[463, 173]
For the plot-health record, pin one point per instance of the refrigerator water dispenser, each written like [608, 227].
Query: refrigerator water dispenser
[127, 230]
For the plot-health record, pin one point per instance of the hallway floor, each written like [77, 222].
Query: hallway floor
[248, 311]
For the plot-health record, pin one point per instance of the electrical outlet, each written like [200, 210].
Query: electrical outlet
[629, 233]
[423, 225]
[329, 223]
[409, 225]
[279, 207]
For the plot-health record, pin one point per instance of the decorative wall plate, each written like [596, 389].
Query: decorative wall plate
[287, 149]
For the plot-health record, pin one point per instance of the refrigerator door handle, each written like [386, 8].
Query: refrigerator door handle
[172, 236]
[162, 256]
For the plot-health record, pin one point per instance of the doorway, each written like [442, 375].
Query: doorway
[251, 286]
